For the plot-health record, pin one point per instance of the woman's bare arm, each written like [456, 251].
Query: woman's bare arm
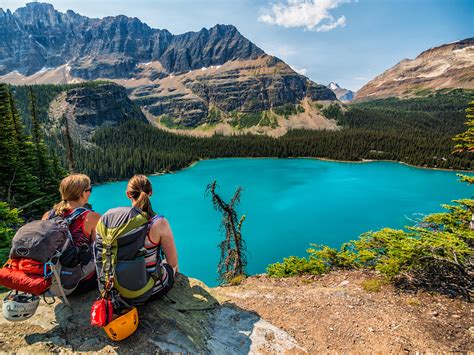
[161, 234]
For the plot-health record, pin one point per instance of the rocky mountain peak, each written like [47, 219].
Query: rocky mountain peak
[449, 65]
[341, 93]
[333, 86]
[114, 45]
[35, 12]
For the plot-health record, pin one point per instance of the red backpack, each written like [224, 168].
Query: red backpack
[36, 249]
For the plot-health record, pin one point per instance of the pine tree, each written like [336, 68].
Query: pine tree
[25, 186]
[37, 136]
[69, 146]
[466, 141]
[8, 148]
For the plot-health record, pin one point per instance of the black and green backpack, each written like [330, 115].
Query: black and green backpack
[120, 254]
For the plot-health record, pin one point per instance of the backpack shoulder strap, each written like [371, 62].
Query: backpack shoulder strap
[76, 213]
[153, 220]
[51, 214]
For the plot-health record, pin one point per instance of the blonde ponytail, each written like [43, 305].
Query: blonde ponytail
[61, 207]
[71, 188]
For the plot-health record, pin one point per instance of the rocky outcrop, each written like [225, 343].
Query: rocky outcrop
[90, 107]
[242, 86]
[191, 319]
[447, 66]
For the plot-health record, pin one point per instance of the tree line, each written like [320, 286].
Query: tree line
[416, 131]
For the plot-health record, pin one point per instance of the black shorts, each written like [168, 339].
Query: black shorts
[162, 286]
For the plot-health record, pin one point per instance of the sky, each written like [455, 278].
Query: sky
[345, 41]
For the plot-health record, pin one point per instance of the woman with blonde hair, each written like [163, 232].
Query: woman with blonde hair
[134, 251]
[75, 191]
[160, 238]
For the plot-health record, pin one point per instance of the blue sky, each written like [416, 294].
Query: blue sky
[346, 41]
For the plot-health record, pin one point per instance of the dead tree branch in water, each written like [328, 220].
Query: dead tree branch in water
[233, 259]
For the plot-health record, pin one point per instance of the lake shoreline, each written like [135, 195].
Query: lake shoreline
[363, 161]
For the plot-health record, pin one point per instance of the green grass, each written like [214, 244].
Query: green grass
[214, 115]
[237, 280]
[373, 285]
[268, 120]
[242, 120]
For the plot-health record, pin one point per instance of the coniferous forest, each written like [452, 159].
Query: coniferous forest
[416, 131]
[29, 171]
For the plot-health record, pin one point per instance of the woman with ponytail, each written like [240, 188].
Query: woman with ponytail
[160, 238]
[75, 191]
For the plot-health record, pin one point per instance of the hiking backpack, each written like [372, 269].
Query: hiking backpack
[37, 248]
[119, 254]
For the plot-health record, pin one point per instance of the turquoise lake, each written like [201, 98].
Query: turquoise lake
[288, 203]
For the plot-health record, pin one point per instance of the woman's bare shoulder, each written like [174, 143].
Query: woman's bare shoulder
[161, 223]
[92, 217]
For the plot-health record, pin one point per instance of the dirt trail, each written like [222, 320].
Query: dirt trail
[335, 313]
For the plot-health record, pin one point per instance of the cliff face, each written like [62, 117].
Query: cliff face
[447, 66]
[240, 86]
[88, 108]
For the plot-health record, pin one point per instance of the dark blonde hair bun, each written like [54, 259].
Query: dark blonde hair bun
[139, 188]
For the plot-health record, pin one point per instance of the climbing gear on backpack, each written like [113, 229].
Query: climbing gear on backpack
[123, 326]
[102, 315]
[102, 312]
[19, 306]
[119, 254]
[120, 263]
[34, 266]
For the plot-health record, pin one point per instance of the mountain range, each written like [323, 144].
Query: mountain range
[211, 77]
[211, 81]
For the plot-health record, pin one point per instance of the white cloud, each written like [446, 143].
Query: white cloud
[313, 15]
[341, 21]
[301, 71]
